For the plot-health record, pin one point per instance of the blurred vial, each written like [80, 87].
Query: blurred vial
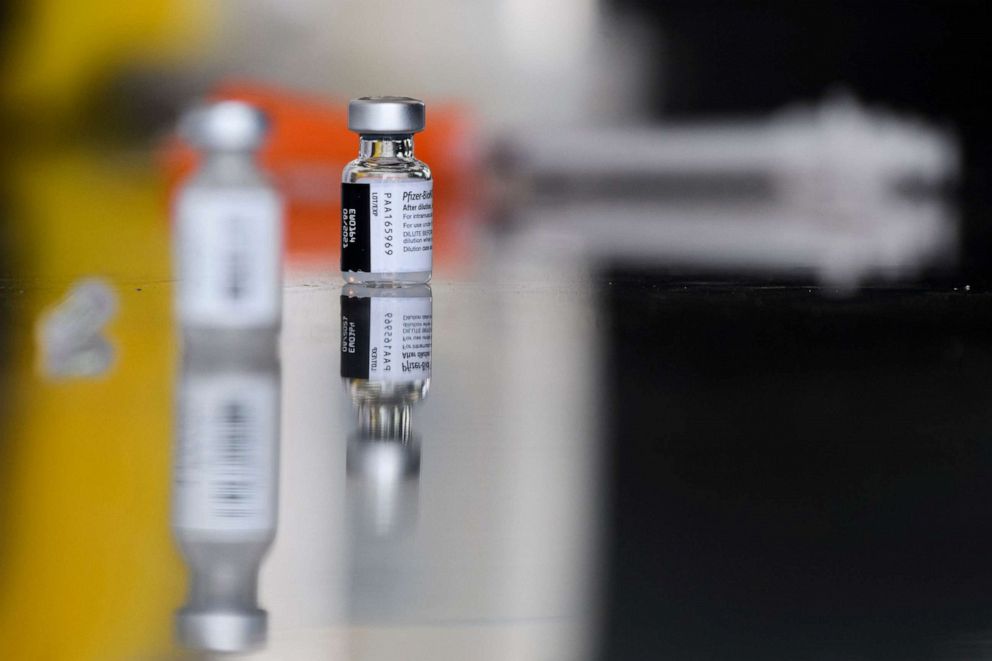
[382, 502]
[387, 205]
[228, 225]
[383, 463]
[386, 367]
[225, 484]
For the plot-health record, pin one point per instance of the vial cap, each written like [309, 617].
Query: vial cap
[222, 631]
[225, 125]
[386, 114]
[382, 460]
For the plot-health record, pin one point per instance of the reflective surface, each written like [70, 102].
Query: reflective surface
[428, 521]
[582, 460]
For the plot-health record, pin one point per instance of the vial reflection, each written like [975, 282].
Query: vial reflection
[386, 366]
[225, 487]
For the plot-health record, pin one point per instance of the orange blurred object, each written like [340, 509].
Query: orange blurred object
[310, 143]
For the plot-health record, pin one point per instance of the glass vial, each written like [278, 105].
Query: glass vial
[228, 226]
[387, 203]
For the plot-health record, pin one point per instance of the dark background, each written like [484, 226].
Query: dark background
[919, 57]
[796, 475]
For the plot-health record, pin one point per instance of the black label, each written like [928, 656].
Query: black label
[356, 316]
[356, 240]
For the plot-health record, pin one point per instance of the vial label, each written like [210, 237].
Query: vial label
[229, 254]
[387, 226]
[225, 463]
[386, 339]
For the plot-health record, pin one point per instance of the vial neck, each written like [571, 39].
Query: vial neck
[230, 162]
[224, 585]
[375, 147]
[385, 421]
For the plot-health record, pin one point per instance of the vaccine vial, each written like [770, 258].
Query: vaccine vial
[225, 484]
[228, 225]
[387, 203]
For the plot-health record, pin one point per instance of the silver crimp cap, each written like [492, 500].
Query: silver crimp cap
[222, 630]
[386, 115]
[225, 125]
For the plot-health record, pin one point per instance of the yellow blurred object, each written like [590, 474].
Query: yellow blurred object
[89, 570]
[60, 50]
